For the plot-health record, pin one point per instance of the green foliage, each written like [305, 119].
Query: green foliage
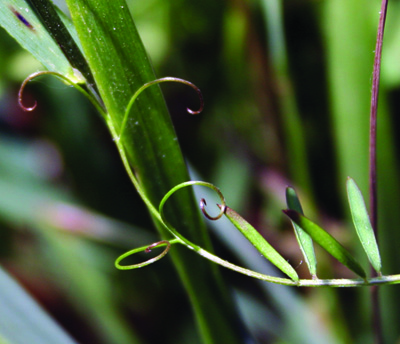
[363, 225]
[328, 242]
[260, 243]
[303, 239]
[297, 111]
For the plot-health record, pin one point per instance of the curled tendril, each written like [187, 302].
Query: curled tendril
[146, 249]
[62, 77]
[159, 81]
[203, 205]
[22, 88]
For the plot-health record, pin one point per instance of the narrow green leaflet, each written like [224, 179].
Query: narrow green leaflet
[22, 320]
[304, 240]
[21, 22]
[326, 241]
[362, 224]
[260, 243]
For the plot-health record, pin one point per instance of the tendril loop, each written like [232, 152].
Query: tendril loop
[145, 249]
[203, 205]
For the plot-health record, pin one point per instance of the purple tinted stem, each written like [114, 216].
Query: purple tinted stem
[373, 118]
[373, 199]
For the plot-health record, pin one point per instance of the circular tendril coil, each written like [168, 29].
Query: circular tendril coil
[203, 205]
[141, 249]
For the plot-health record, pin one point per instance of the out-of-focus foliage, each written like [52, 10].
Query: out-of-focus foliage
[67, 209]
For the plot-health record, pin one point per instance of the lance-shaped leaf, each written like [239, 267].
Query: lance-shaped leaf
[304, 240]
[260, 243]
[362, 224]
[326, 241]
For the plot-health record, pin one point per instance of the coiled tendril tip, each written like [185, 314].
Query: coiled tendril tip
[21, 92]
[203, 205]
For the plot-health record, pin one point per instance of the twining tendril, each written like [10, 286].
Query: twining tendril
[159, 81]
[202, 204]
[63, 78]
[145, 249]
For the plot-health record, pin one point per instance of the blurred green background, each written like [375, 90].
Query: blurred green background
[286, 87]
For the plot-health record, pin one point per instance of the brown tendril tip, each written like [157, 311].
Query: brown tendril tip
[203, 205]
[185, 82]
[22, 88]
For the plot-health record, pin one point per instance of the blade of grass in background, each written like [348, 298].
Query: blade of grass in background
[22, 320]
[292, 126]
[120, 65]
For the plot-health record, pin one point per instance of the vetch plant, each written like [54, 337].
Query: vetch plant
[100, 54]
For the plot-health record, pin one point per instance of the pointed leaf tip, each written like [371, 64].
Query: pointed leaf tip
[326, 241]
[303, 239]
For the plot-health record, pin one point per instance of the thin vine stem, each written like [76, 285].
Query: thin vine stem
[373, 187]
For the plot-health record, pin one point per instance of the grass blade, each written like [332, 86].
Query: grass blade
[260, 243]
[22, 320]
[362, 224]
[20, 21]
[304, 240]
[55, 26]
[326, 241]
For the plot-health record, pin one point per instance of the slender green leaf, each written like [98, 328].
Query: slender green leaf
[304, 240]
[362, 224]
[260, 243]
[22, 320]
[326, 241]
[20, 21]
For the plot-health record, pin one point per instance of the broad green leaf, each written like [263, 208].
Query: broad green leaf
[326, 241]
[304, 240]
[260, 243]
[362, 224]
[120, 65]
[19, 19]
[22, 320]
